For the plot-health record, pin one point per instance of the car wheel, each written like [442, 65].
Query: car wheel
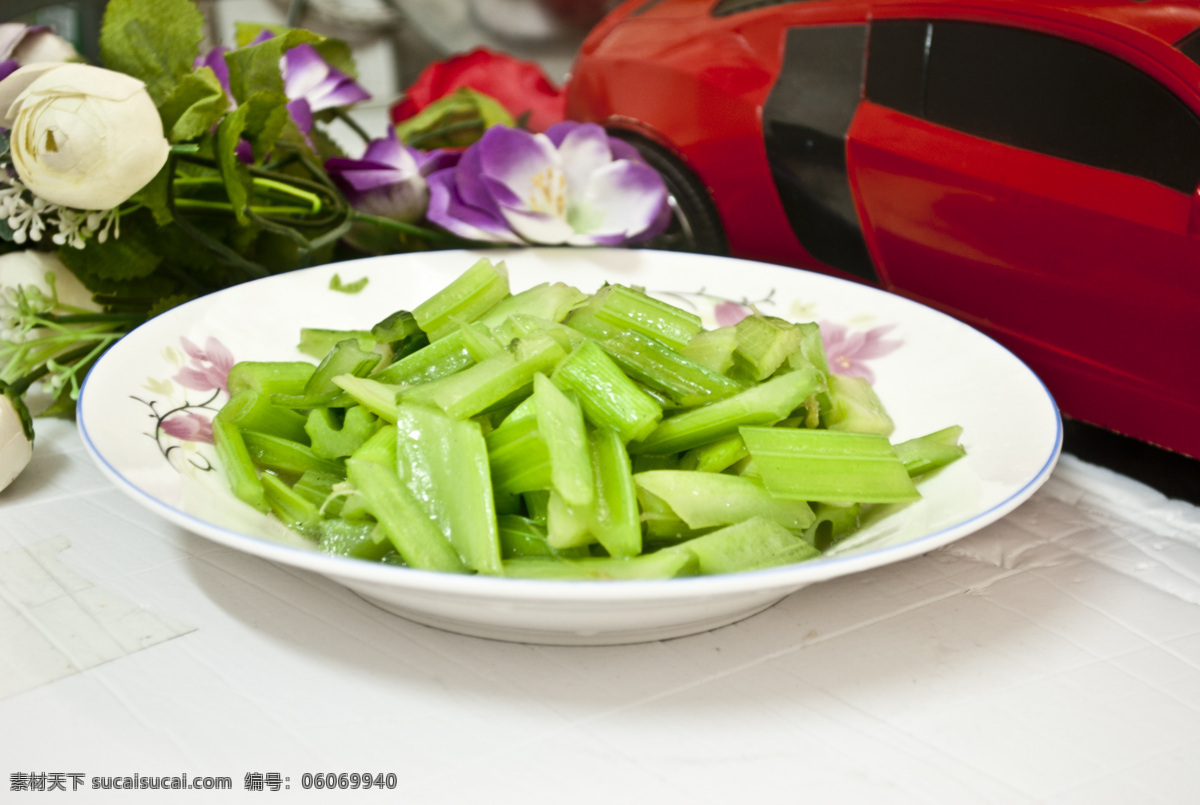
[696, 227]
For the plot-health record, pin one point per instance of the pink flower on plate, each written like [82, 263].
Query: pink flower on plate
[729, 313]
[848, 350]
[189, 426]
[209, 367]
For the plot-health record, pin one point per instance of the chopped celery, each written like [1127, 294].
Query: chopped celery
[443, 463]
[660, 565]
[479, 387]
[337, 435]
[608, 396]
[560, 424]
[415, 536]
[764, 404]
[236, 464]
[614, 518]
[549, 434]
[618, 308]
[763, 344]
[831, 466]
[654, 364]
[469, 296]
[316, 342]
[707, 499]
[752, 544]
[253, 410]
[269, 377]
[931, 451]
[855, 407]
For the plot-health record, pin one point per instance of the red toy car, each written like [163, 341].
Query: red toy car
[1032, 168]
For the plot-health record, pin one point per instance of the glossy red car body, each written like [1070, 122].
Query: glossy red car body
[1086, 265]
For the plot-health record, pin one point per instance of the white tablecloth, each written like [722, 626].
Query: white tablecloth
[1052, 657]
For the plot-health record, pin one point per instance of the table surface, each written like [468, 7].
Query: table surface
[1051, 657]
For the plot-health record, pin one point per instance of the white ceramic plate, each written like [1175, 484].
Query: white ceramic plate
[145, 408]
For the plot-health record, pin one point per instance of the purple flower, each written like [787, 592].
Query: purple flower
[215, 61]
[389, 180]
[209, 367]
[573, 184]
[189, 426]
[847, 351]
[311, 85]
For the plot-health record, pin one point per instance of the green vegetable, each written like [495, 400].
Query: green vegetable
[551, 435]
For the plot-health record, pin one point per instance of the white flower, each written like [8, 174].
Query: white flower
[29, 44]
[15, 447]
[82, 136]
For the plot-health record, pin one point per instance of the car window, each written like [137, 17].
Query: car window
[726, 7]
[805, 121]
[1038, 92]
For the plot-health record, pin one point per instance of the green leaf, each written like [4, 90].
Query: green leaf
[197, 103]
[234, 174]
[130, 256]
[153, 195]
[266, 119]
[255, 68]
[456, 120]
[335, 52]
[156, 41]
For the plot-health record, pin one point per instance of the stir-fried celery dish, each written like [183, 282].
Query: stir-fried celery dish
[554, 434]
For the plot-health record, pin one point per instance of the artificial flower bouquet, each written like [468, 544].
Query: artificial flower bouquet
[173, 171]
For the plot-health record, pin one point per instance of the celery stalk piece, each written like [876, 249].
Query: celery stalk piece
[444, 464]
[401, 332]
[609, 398]
[812, 348]
[416, 538]
[525, 537]
[537, 504]
[316, 342]
[283, 455]
[478, 340]
[467, 297]
[654, 364]
[712, 349]
[321, 390]
[486, 384]
[855, 407]
[567, 525]
[236, 464]
[318, 488]
[334, 435]
[252, 410]
[549, 301]
[439, 359]
[293, 510]
[270, 377]
[379, 449]
[830, 466]
[716, 456]
[931, 451]
[378, 398]
[560, 424]
[354, 539]
[764, 343]
[614, 518]
[707, 499]
[518, 457]
[660, 565]
[752, 544]
[617, 308]
[835, 521]
[764, 404]
[522, 325]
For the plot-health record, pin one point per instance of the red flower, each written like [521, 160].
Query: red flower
[520, 86]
